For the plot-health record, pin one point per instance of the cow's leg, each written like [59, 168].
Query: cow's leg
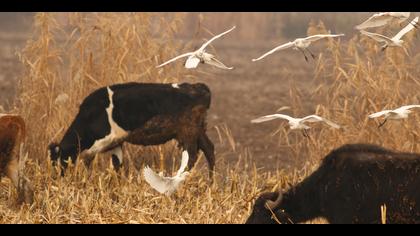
[23, 185]
[192, 149]
[87, 160]
[12, 171]
[207, 146]
[117, 158]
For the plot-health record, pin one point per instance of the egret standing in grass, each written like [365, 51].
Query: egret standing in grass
[396, 41]
[397, 114]
[200, 55]
[297, 123]
[300, 44]
[167, 185]
[383, 18]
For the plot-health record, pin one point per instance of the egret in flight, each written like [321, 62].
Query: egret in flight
[383, 18]
[395, 41]
[300, 44]
[397, 114]
[297, 123]
[200, 55]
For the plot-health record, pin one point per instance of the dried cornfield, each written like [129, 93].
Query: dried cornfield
[75, 53]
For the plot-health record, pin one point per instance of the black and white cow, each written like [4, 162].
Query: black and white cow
[141, 114]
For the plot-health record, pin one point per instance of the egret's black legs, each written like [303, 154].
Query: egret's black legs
[312, 55]
[305, 133]
[303, 52]
[381, 124]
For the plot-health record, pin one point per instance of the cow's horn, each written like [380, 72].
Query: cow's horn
[270, 205]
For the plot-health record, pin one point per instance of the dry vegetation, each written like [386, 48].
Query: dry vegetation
[76, 53]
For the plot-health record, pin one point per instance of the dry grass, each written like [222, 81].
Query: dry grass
[76, 53]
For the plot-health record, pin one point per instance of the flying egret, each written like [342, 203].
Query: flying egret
[383, 18]
[167, 185]
[396, 41]
[200, 55]
[397, 114]
[297, 123]
[301, 44]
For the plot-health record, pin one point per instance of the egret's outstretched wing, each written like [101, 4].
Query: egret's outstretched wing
[184, 163]
[281, 47]
[312, 118]
[271, 117]
[402, 16]
[214, 38]
[315, 118]
[406, 29]
[175, 58]
[378, 114]
[192, 62]
[283, 108]
[316, 37]
[408, 107]
[214, 62]
[159, 183]
[377, 20]
[377, 37]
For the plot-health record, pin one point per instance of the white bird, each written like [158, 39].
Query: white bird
[397, 114]
[301, 44]
[395, 41]
[383, 18]
[200, 55]
[296, 123]
[167, 185]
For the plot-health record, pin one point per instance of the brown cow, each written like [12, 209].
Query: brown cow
[12, 133]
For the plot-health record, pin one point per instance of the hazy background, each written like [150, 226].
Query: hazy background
[248, 91]
[253, 30]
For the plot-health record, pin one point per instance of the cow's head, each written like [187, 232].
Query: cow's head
[54, 150]
[266, 210]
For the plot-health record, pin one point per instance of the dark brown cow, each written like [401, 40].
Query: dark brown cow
[350, 186]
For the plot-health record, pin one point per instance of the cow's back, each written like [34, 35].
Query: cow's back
[135, 103]
[364, 177]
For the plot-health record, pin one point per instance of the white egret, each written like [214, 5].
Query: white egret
[301, 44]
[395, 41]
[297, 123]
[167, 185]
[200, 55]
[383, 18]
[397, 114]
